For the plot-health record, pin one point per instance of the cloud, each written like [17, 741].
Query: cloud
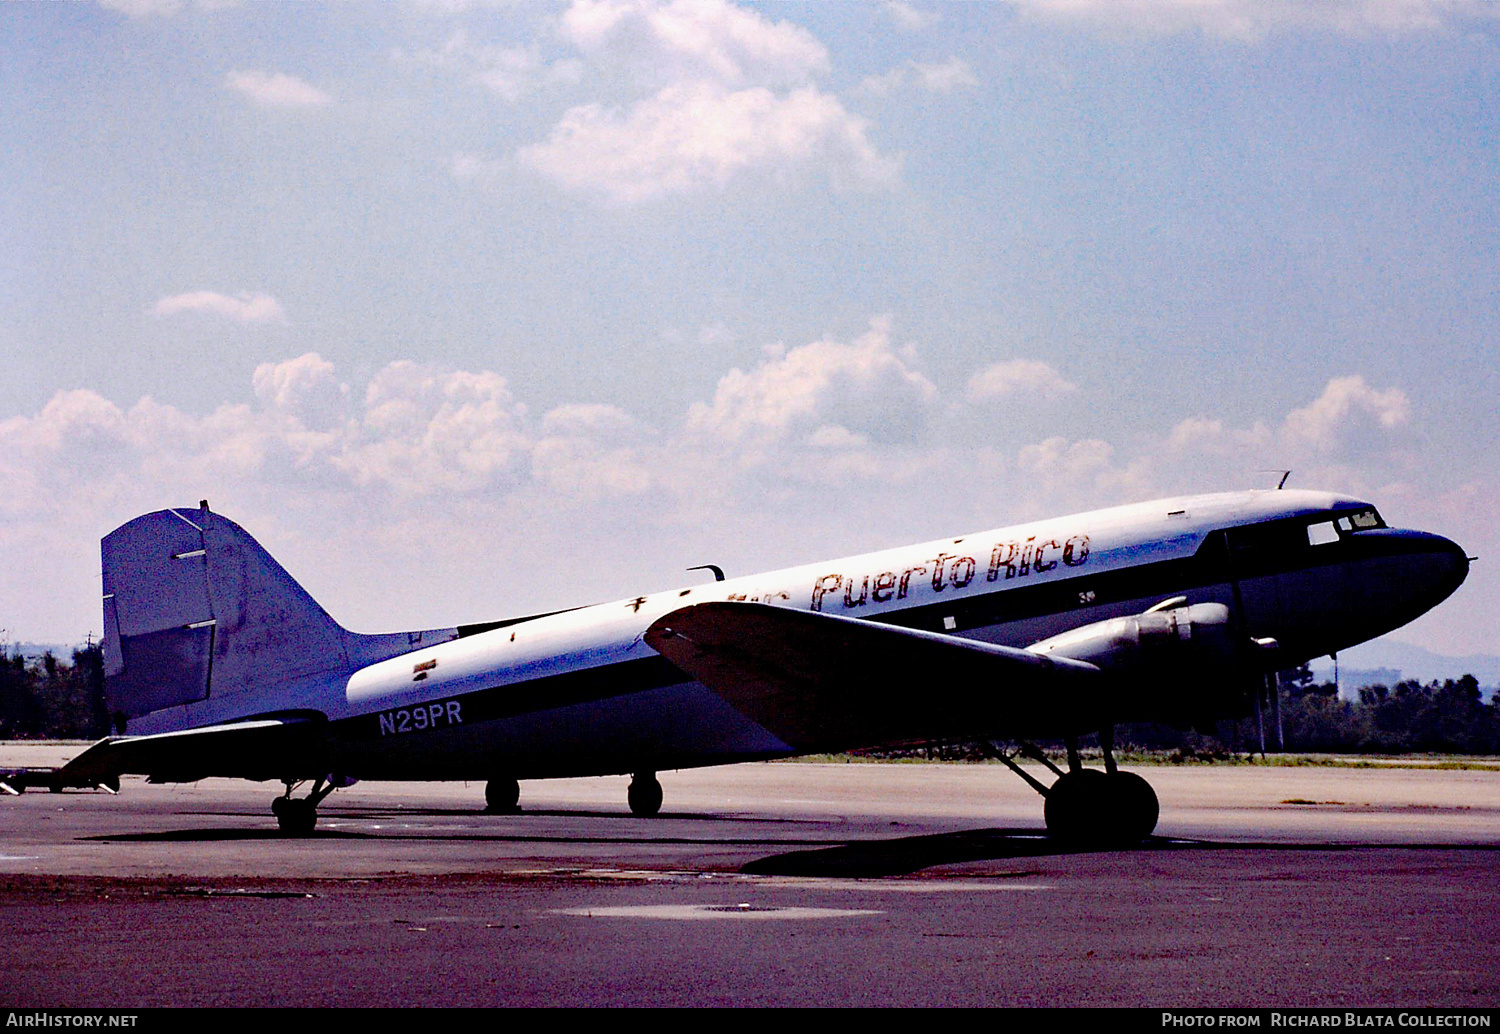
[162, 8]
[828, 392]
[909, 17]
[591, 451]
[305, 388]
[700, 135]
[1347, 411]
[1249, 21]
[1030, 377]
[143, 8]
[426, 428]
[244, 307]
[695, 39]
[1349, 416]
[710, 94]
[951, 75]
[276, 90]
[440, 483]
[511, 72]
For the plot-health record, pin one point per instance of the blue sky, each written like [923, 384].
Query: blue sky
[471, 309]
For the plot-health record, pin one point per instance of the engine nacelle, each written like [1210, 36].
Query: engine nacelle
[1183, 664]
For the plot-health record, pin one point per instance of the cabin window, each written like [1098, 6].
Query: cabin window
[1322, 533]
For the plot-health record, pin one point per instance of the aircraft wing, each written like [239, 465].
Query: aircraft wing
[821, 682]
[266, 748]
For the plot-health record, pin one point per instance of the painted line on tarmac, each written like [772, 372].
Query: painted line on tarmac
[741, 911]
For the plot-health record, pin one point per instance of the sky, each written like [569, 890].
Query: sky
[471, 310]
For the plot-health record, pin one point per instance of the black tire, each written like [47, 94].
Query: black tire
[1077, 807]
[502, 797]
[644, 795]
[1134, 809]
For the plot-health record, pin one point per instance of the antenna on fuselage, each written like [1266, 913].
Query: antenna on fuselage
[1284, 475]
[715, 568]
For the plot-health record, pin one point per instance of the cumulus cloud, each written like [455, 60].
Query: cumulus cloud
[510, 71]
[824, 448]
[1349, 417]
[143, 8]
[1346, 410]
[162, 8]
[1071, 460]
[712, 93]
[276, 90]
[243, 307]
[1252, 20]
[695, 39]
[909, 16]
[951, 75]
[427, 428]
[1029, 377]
[1209, 436]
[699, 135]
[305, 388]
[591, 450]
[829, 392]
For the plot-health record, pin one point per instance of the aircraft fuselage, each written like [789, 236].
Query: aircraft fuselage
[580, 692]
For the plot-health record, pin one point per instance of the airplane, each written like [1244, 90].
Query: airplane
[219, 664]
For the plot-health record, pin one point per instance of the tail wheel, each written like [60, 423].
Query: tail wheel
[295, 815]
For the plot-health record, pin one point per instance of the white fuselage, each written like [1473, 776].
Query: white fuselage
[579, 692]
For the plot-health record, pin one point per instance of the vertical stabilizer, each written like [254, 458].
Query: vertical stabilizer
[195, 609]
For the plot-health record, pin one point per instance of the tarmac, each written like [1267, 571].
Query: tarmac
[764, 884]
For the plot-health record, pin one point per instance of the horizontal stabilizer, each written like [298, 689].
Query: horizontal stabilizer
[266, 748]
[820, 682]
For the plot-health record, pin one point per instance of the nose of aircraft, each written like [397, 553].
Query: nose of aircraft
[1452, 565]
[1440, 565]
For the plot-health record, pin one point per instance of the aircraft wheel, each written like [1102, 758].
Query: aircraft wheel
[1077, 806]
[295, 815]
[644, 794]
[502, 796]
[1134, 807]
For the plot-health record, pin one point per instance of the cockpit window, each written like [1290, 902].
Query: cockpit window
[1360, 520]
[1281, 536]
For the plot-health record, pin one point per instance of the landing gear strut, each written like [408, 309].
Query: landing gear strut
[1086, 806]
[644, 794]
[298, 815]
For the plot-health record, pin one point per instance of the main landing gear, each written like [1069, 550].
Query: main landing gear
[1085, 806]
[502, 797]
[644, 794]
[298, 815]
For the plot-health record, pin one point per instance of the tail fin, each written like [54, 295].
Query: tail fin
[195, 609]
